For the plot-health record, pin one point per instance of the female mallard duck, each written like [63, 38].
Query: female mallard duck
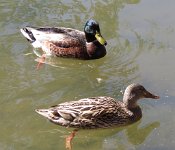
[68, 42]
[99, 112]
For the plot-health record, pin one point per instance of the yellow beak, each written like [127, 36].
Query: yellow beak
[100, 38]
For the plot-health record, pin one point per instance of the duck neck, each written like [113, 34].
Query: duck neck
[89, 37]
[131, 105]
[137, 113]
[131, 102]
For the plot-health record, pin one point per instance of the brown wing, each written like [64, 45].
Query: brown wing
[94, 112]
[67, 45]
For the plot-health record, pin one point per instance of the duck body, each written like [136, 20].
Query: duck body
[97, 112]
[94, 112]
[68, 42]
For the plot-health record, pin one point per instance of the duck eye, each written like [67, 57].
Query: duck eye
[89, 29]
[142, 89]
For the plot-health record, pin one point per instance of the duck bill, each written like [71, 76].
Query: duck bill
[150, 95]
[100, 38]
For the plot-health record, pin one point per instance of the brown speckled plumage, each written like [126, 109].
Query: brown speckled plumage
[99, 112]
[68, 42]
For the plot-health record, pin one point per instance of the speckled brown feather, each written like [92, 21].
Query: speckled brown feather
[64, 49]
[95, 112]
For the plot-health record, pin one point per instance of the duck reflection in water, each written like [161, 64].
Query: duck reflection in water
[130, 136]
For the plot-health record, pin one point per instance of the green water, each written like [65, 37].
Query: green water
[141, 48]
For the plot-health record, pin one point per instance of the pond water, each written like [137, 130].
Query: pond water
[141, 48]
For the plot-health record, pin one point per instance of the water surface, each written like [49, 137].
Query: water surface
[141, 48]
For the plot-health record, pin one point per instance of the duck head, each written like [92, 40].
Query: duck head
[92, 32]
[133, 93]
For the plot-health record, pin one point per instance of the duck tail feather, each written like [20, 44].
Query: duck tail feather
[28, 34]
[43, 112]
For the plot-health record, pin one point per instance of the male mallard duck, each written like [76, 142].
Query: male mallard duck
[99, 112]
[68, 42]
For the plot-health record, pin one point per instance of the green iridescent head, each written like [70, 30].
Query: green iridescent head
[92, 31]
